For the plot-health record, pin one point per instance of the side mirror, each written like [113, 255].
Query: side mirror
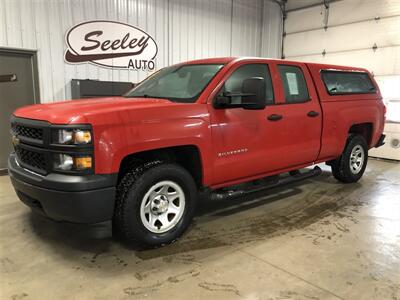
[252, 96]
[228, 100]
[255, 89]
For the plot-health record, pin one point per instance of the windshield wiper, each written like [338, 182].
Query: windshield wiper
[143, 96]
[147, 96]
[139, 96]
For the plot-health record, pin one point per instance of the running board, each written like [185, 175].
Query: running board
[294, 176]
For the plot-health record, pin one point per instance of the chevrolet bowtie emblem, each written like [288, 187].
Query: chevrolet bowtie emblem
[15, 140]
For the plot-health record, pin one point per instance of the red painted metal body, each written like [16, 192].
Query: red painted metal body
[123, 126]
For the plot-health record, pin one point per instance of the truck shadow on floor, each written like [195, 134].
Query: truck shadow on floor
[229, 222]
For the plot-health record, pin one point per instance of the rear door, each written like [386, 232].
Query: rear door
[300, 112]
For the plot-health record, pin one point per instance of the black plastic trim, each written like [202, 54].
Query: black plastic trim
[80, 199]
[31, 123]
[79, 207]
[381, 141]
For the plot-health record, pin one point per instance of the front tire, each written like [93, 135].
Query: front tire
[155, 204]
[350, 166]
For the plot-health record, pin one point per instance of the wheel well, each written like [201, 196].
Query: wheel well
[363, 129]
[186, 156]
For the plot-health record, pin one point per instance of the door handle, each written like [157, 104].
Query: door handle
[8, 78]
[312, 114]
[274, 117]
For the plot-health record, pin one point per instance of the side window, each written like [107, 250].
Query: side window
[345, 82]
[234, 83]
[294, 84]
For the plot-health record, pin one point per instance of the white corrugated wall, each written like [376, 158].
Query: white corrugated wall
[183, 30]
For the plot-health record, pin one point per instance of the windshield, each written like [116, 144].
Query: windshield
[177, 83]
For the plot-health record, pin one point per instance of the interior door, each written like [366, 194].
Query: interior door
[16, 90]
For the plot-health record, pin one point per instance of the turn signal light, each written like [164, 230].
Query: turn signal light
[82, 163]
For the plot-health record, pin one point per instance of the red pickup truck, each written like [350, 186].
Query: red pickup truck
[140, 160]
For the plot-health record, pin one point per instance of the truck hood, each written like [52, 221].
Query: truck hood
[79, 111]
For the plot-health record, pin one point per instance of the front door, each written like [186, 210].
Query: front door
[17, 88]
[245, 144]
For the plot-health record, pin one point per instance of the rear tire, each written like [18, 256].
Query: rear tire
[350, 166]
[155, 204]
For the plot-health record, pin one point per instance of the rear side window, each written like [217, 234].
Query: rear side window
[343, 83]
[294, 84]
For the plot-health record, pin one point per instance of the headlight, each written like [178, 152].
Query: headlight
[65, 162]
[72, 136]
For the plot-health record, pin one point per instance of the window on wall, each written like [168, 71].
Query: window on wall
[235, 82]
[343, 83]
[389, 86]
[294, 84]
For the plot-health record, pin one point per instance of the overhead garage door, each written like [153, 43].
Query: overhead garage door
[362, 33]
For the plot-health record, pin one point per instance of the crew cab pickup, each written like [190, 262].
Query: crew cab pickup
[140, 160]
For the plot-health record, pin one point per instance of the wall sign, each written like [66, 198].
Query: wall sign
[111, 44]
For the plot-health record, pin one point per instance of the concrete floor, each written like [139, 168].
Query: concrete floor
[317, 239]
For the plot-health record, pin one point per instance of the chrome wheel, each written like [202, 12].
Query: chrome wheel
[357, 158]
[162, 206]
